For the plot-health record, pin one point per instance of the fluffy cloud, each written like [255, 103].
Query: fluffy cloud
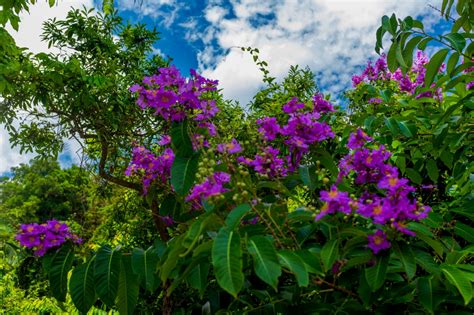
[332, 37]
[29, 35]
[164, 11]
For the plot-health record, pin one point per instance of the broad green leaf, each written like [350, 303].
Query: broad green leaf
[432, 169]
[144, 265]
[425, 293]
[392, 58]
[329, 254]
[235, 216]
[170, 206]
[465, 231]
[198, 277]
[452, 62]
[106, 274]
[311, 261]
[227, 261]
[183, 173]
[406, 129]
[175, 249]
[180, 139]
[459, 279]
[61, 263]
[128, 287]
[409, 48]
[375, 275]
[295, 264]
[265, 259]
[407, 258]
[308, 176]
[456, 40]
[414, 176]
[391, 124]
[424, 42]
[433, 66]
[82, 286]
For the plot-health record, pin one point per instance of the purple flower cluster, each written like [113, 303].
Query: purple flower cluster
[266, 163]
[42, 237]
[151, 166]
[408, 82]
[212, 186]
[174, 97]
[301, 130]
[231, 148]
[391, 204]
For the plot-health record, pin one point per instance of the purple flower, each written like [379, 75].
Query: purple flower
[292, 106]
[211, 186]
[356, 80]
[375, 100]
[269, 128]
[358, 139]
[231, 148]
[321, 105]
[165, 139]
[334, 201]
[378, 241]
[267, 163]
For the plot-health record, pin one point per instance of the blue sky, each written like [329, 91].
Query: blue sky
[334, 38]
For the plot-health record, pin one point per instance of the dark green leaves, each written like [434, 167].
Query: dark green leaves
[425, 293]
[432, 67]
[456, 40]
[265, 260]
[59, 266]
[295, 265]
[227, 261]
[460, 280]
[236, 215]
[82, 286]
[329, 254]
[375, 275]
[183, 173]
[308, 176]
[180, 139]
[107, 272]
[127, 294]
[144, 265]
[406, 257]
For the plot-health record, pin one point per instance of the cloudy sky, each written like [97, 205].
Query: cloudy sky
[334, 38]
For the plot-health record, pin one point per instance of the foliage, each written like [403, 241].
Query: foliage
[290, 207]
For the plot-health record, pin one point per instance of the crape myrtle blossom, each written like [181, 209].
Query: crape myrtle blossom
[392, 205]
[231, 148]
[150, 166]
[212, 186]
[42, 237]
[407, 82]
[266, 162]
[175, 98]
[322, 105]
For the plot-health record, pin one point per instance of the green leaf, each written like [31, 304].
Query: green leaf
[391, 124]
[407, 258]
[180, 139]
[82, 286]
[432, 169]
[227, 261]
[144, 265]
[183, 173]
[170, 206]
[295, 264]
[106, 273]
[61, 263]
[329, 254]
[409, 48]
[424, 42]
[465, 231]
[236, 215]
[392, 58]
[51, 2]
[198, 277]
[456, 40]
[405, 129]
[452, 62]
[308, 176]
[425, 293]
[375, 275]
[433, 66]
[414, 176]
[108, 6]
[127, 295]
[459, 279]
[265, 259]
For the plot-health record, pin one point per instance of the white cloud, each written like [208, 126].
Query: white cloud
[332, 37]
[29, 35]
[164, 11]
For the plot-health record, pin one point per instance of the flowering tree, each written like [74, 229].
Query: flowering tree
[296, 211]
